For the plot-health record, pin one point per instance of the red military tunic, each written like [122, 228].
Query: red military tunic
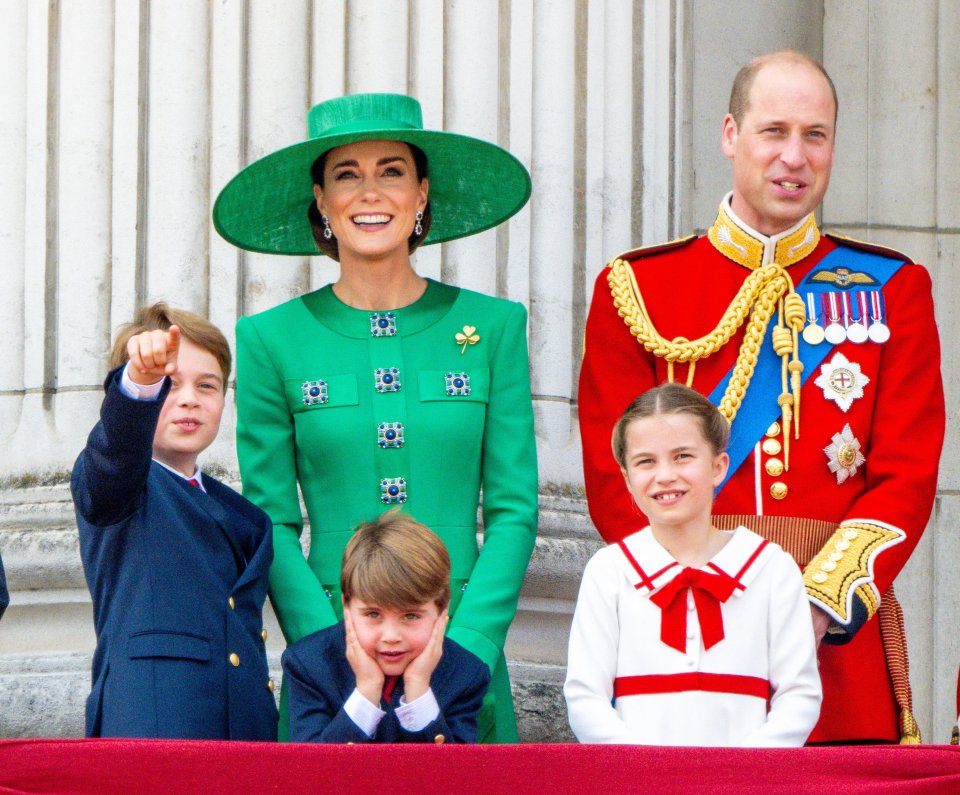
[883, 502]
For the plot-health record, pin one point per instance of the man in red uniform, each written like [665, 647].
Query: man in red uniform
[824, 355]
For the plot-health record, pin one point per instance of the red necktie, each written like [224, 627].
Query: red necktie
[389, 684]
[194, 482]
[709, 590]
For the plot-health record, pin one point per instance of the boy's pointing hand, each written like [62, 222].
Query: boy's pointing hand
[153, 354]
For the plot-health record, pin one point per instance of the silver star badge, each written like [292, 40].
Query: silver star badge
[843, 454]
[841, 381]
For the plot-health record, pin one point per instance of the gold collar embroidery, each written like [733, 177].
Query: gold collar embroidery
[738, 242]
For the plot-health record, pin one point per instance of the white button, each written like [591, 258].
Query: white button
[691, 634]
[691, 662]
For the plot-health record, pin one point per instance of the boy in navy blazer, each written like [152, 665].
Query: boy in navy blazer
[386, 673]
[176, 562]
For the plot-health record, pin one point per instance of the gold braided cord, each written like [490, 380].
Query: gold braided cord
[758, 298]
[894, 640]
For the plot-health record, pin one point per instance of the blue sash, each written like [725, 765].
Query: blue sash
[760, 409]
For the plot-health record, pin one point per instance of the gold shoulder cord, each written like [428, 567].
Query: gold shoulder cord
[764, 291]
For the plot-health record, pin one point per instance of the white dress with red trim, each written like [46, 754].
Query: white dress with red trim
[724, 655]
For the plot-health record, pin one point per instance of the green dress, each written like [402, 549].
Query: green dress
[370, 410]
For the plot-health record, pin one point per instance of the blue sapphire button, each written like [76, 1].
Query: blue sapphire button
[457, 384]
[387, 379]
[393, 491]
[314, 392]
[383, 324]
[390, 434]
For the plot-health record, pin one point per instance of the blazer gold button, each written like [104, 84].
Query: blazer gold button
[774, 467]
[778, 490]
[263, 634]
[771, 446]
[819, 577]
[439, 739]
[270, 685]
[231, 603]
[234, 660]
[774, 430]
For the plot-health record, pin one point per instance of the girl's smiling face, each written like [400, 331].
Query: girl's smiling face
[370, 195]
[671, 470]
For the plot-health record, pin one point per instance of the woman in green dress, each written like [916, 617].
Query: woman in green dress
[386, 388]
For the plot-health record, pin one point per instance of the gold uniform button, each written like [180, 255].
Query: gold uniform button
[843, 545]
[270, 685]
[774, 430]
[231, 603]
[263, 634]
[819, 576]
[771, 446]
[234, 660]
[779, 490]
[850, 534]
[836, 557]
[774, 467]
[828, 565]
[439, 739]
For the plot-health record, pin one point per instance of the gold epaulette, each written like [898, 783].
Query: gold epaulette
[633, 254]
[870, 248]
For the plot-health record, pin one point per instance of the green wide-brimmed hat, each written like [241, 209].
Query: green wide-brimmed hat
[474, 185]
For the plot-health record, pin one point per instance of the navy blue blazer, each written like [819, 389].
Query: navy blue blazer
[178, 579]
[321, 680]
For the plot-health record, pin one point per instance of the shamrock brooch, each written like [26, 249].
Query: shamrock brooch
[467, 337]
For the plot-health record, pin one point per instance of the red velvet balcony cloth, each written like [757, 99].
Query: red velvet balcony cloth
[142, 767]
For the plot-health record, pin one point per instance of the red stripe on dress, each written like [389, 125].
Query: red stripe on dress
[644, 580]
[747, 565]
[680, 683]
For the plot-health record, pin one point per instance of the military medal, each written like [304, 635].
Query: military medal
[834, 332]
[813, 332]
[879, 332]
[843, 454]
[856, 325]
[842, 381]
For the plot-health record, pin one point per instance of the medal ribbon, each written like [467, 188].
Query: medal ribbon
[760, 408]
[709, 590]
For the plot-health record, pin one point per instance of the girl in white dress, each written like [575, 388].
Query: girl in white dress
[684, 634]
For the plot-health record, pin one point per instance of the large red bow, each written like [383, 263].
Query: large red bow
[709, 590]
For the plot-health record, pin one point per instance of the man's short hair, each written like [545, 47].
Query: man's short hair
[200, 331]
[396, 562]
[743, 82]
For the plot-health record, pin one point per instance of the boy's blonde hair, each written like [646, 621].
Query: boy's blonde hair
[200, 331]
[396, 562]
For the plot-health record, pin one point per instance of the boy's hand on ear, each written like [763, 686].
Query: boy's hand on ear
[416, 677]
[153, 354]
[365, 668]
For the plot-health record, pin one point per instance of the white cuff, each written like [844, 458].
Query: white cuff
[363, 713]
[137, 391]
[419, 713]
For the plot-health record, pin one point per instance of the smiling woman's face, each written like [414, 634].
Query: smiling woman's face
[371, 194]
